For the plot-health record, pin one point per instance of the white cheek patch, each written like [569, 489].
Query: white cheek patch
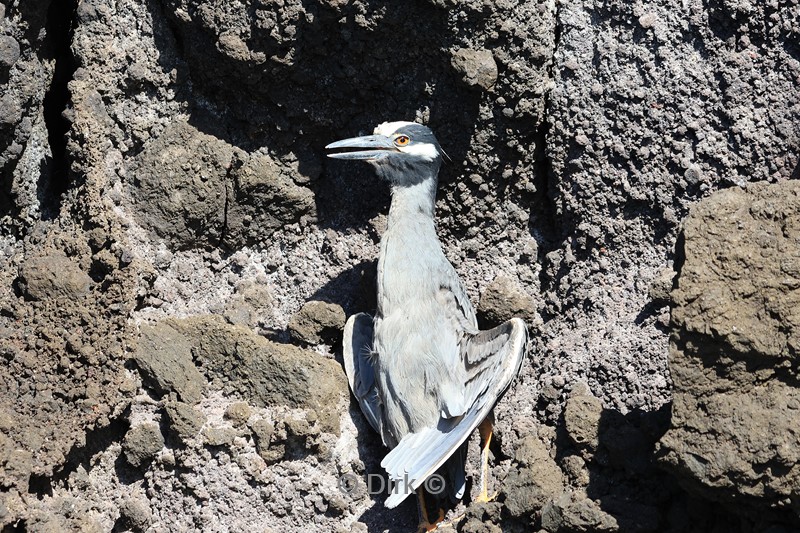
[388, 128]
[423, 150]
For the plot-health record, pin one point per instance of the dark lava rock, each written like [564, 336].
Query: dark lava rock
[9, 51]
[299, 434]
[219, 436]
[582, 421]
[142, 443]
[16, 463]
[264, 372]
[193, 189]
[181, 185]
[481, 518]
[164, 356]
[317, 323]
[264, 199]
[263, 430]
[734, 352]
[575, 512]
[238, 413]
[536, 480]
[184, 420]
[503, 299]
[136, 513]
[477, 67]
[53, 276]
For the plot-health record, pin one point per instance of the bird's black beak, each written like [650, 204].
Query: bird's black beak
[371, 147]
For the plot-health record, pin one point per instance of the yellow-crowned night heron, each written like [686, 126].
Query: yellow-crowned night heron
[423, 373]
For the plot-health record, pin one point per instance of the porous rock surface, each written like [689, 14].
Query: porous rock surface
[735, 348]
[166, 209]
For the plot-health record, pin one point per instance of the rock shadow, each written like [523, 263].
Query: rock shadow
[290, 80]
[373, 482]
[354, 289]
[629, 485]
[612, 456]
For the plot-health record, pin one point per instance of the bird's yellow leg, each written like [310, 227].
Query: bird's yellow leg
[485, 429]
[425, 524]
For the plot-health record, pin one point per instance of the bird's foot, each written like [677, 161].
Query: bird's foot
[450, 524]
[426, 526]
[484, 497]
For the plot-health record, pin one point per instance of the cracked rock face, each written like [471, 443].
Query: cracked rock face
[193, 190]
[171, 233]
[25, 74]
[180, 186]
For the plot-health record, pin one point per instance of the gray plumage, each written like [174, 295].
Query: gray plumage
[422, 372]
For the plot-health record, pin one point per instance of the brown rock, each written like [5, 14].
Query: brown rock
[536, 480]
[10, 110]
[264, 372]
[181, 186]
[734, 351]
[264, 198]
[164, 355]
[263, 430]
[53, 276]
[184, 419]
[142, 443]
[576, 513]
[504, 299]
[582, 421]
[317, 323]
[219, 436]
[238, 413]
[136, 513]
[482, 518]
[9, 51]
[476, 67]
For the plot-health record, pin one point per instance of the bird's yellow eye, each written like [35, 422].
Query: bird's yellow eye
[402, 140]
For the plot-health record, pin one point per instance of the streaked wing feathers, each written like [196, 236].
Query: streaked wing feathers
[492, 358]
[356, 351]
[453, 298]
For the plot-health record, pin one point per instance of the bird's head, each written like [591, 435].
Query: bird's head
[404, 153]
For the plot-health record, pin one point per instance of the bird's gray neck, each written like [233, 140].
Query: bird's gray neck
[414, 202]
[409, 247]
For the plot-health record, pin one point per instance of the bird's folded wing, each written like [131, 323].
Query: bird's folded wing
[356, 351]
[492, 359]
[453, 299]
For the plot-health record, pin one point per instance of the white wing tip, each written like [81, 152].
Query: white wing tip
[396, 499]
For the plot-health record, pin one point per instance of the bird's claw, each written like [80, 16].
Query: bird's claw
[484, 497]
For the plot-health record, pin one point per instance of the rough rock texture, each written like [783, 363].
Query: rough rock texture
[53, 277]
[582, 414]
[477, 67]
[504, 299]
[237, 360]
[184, 420]
[735, 351]
[537, 481]
[317, 322]
[570, 513]
[142, 443]
[29, 38]
[164, 357]
[172, 152]
[195, 190]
